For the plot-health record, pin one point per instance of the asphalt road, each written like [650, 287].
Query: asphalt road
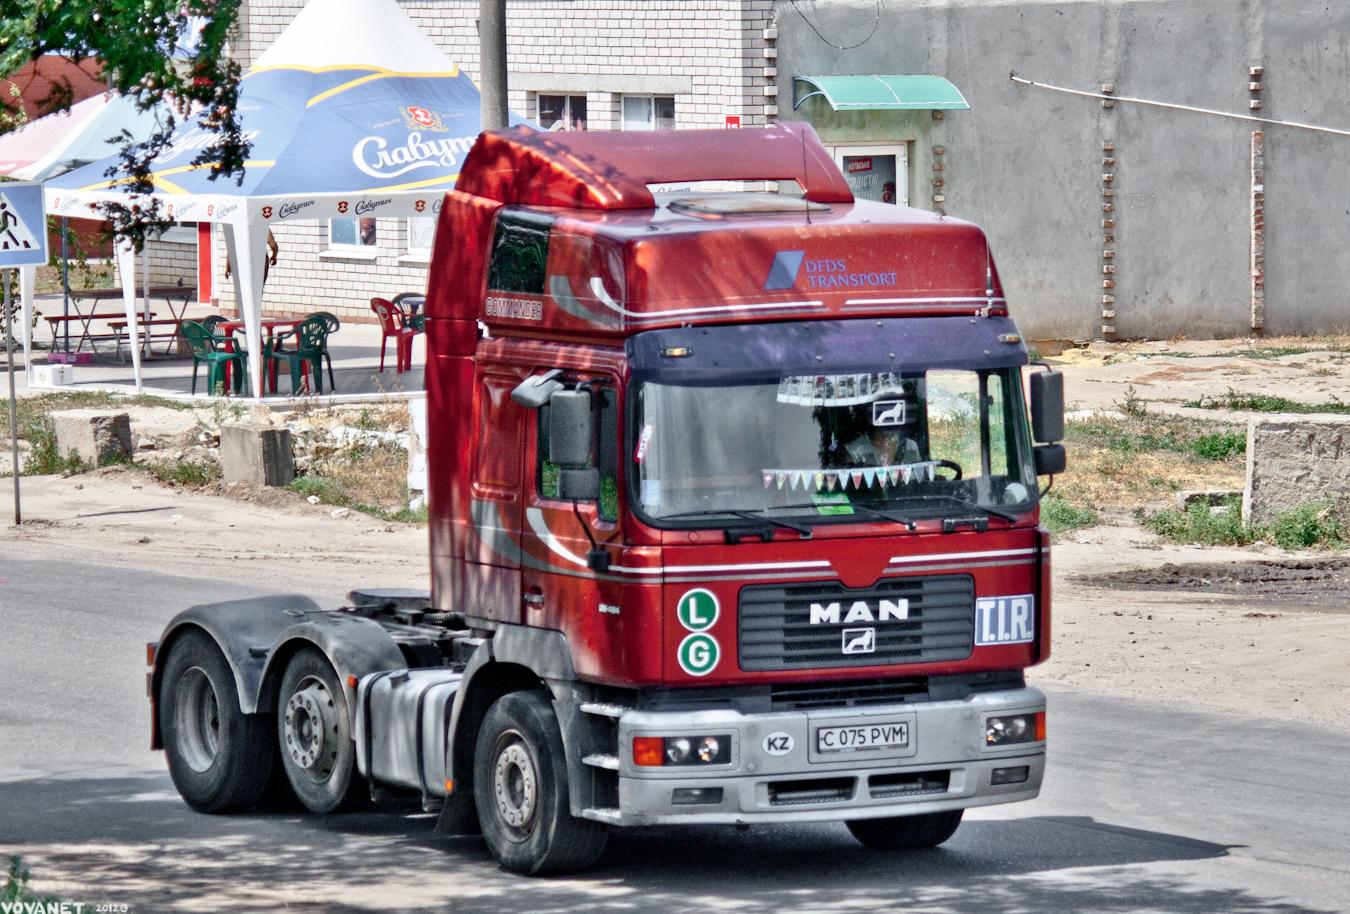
[1144, 809]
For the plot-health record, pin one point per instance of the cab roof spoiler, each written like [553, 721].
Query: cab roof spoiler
[611, 170]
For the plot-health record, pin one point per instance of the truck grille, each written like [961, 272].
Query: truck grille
[776, 632]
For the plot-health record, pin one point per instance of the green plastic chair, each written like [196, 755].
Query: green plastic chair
[311, 341]
[332, 324]
[209, 348]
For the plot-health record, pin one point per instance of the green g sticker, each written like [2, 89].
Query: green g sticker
[698, 654]
[698, 610]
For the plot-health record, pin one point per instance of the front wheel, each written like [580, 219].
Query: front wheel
[219, 758]
[906, 832]
[521, 789]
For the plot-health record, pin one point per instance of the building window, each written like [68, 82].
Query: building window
[876, 172]
[352, 233]
[648, 112]
[562, 112]
[421, 232]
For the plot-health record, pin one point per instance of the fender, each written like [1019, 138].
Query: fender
[245, 631]
[543, 653]
[354, 645]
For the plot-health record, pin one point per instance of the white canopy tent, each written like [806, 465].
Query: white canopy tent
[351, 112]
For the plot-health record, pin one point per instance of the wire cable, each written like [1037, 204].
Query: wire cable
[876, 21]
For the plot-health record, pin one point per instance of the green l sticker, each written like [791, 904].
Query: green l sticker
[698, 610]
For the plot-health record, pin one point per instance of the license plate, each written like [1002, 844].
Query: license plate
[865, 736]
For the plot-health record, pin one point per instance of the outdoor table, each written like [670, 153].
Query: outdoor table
[176, 298]
[227, 329]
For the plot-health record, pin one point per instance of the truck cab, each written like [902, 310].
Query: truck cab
[733, 509]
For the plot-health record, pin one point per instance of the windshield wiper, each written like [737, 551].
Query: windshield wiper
[994, 512]
[867, 509]
[750, 515]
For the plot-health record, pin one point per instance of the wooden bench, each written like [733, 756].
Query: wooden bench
[119, 328]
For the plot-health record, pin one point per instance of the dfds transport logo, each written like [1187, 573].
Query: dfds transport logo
[822, 273]
[416, 117]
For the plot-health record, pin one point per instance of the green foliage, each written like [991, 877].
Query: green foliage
[1133, 405]
[1304, 527]
[1200, 523]
[1132, 435]
[15, 889]
[134, 43]
[184, 473]
[1060, 517]
[1266, 403]
[1308, 525]
[329, 491]
[1219, 446]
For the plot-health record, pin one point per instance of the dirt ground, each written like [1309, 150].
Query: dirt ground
[1234, 641]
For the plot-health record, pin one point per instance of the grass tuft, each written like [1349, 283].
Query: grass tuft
[1266, 403]
[1059, 516]
[1314, 525]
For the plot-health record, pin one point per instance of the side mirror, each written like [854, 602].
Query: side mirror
[1047, 406]
[533, 393]
[1050, 459]
[579, 484]
[571, 429]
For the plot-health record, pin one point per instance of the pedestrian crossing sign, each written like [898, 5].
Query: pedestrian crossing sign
[23, 229]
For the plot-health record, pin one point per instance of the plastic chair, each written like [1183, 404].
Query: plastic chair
[311, 338]
[206, 347]
[391, 322]
[332, 325]
[210, 323]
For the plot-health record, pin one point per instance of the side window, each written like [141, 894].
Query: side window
[606, 456]
[520, 253]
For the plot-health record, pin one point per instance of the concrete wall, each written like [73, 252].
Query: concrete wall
[1027, 163]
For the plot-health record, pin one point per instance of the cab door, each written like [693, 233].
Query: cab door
[492, 559]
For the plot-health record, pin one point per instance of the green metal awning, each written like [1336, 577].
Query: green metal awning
[880, 93]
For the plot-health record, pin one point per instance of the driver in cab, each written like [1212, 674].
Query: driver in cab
[882, 446]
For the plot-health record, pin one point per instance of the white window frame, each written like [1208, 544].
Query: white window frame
[651, 97]
[899, 150]
[566, 117]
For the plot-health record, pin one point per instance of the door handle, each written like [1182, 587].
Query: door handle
[533, 598]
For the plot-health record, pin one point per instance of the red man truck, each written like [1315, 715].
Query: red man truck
[733, 519]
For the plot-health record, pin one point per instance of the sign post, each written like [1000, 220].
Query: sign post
[23, 243]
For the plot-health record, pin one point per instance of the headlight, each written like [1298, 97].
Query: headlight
[656, 751]
[1009, 729]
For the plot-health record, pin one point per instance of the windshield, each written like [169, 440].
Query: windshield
[914, 445]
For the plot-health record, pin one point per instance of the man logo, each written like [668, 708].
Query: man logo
[778, 743]
[859, 611]
[783, 272]
[859, 641]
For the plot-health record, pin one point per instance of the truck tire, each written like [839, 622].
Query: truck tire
[314, 731]
[220, 759]
[521, 788]
[904, 833]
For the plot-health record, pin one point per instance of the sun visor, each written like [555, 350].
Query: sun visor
[744, 353]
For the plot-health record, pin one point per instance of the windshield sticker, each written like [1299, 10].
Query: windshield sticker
[651, 492]
[644, 439]
[857, 478]
[842, 390]
[828, 505]
[888, 412]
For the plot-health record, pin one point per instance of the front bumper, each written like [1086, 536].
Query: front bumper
[945, 765]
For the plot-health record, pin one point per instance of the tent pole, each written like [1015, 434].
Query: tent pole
[65, 279]
[13, 397]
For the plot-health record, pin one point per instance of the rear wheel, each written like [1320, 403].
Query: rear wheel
[315, 733]
[906, 832]
[220, 759]
[522, 791]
